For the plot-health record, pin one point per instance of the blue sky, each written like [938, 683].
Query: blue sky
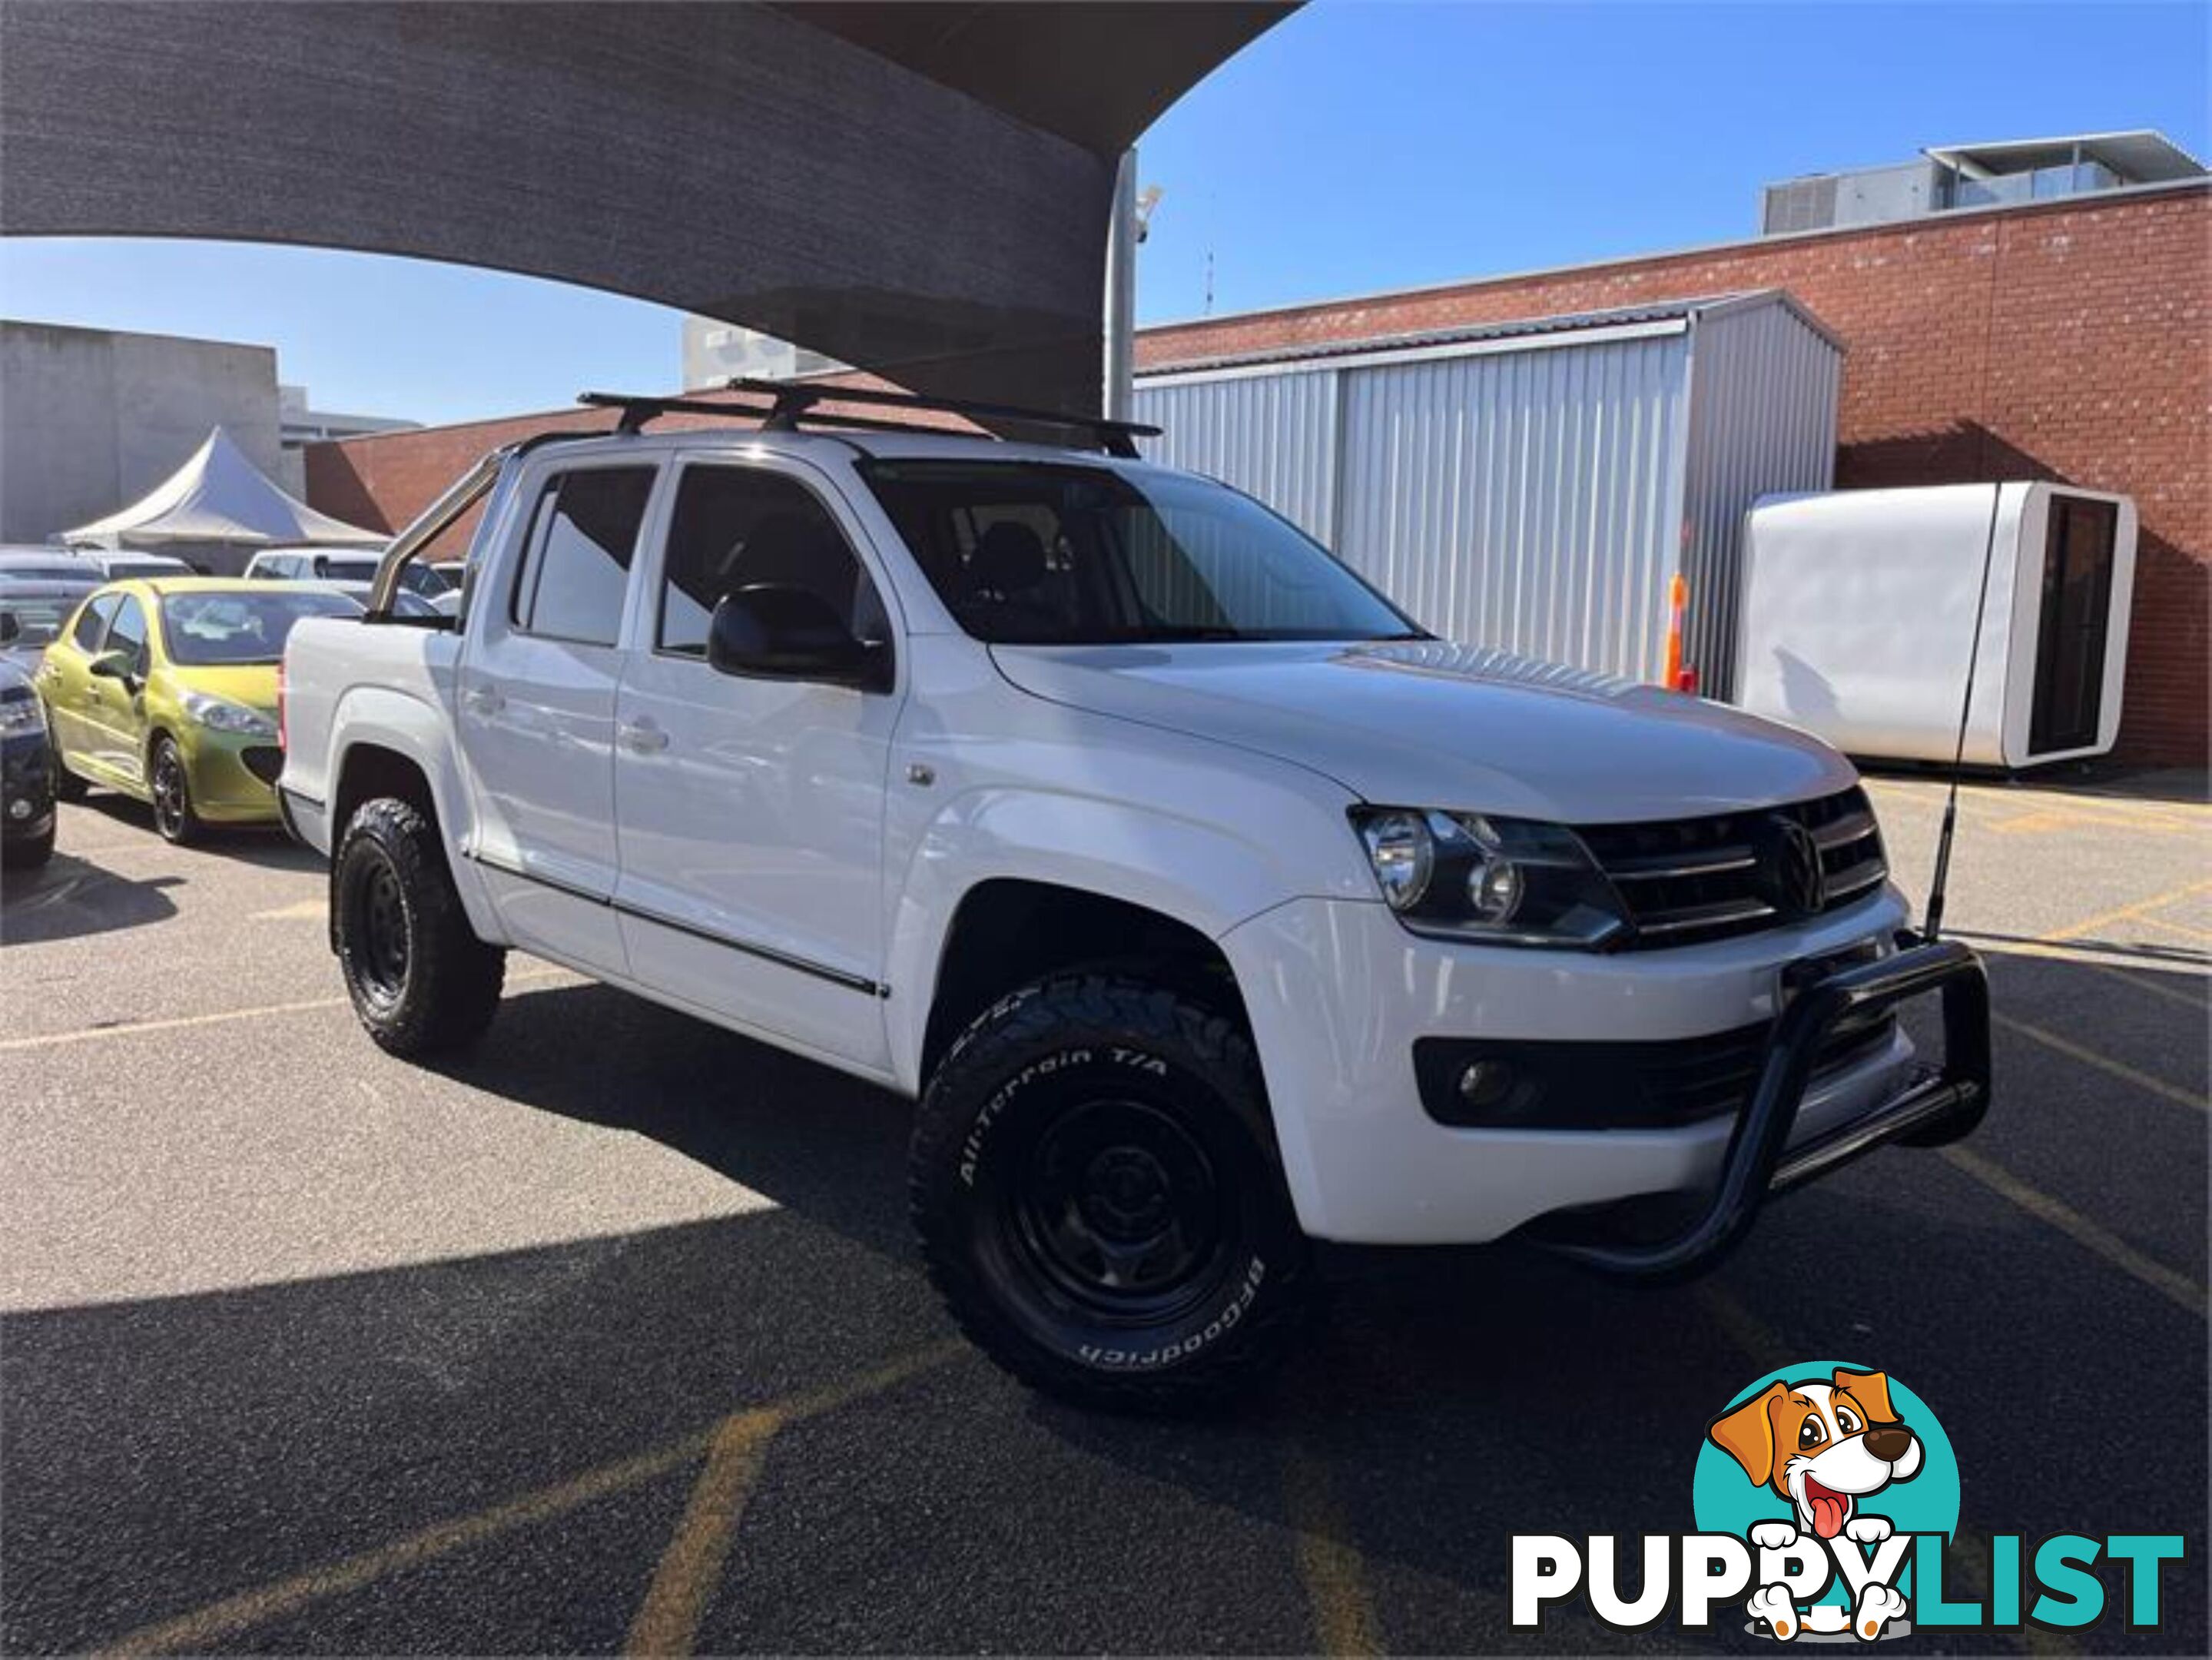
[1358, 146]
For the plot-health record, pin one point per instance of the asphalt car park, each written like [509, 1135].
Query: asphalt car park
[610, 1335]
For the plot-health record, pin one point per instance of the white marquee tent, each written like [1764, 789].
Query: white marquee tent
[219, 501]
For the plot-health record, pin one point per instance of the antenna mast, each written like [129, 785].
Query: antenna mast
[1935, 926]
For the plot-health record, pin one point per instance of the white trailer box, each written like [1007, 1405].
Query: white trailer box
[1858, 619]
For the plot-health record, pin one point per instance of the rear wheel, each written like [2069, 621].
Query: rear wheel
[171, 786]
[1096, 1194]
[420, 980]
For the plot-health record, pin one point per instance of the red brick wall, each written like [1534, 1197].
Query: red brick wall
[2064, 341]
[383, 481]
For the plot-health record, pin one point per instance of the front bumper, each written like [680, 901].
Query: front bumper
[27, 787]
[1339, 995]
[227, 771]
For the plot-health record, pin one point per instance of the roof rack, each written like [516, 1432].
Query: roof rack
[789, 403]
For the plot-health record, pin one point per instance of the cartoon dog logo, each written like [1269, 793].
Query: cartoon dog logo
[1826, 1445]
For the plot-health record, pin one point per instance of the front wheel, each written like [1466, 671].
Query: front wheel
[420, 980]
[31, 852]
[170, 787]
[1095, 1190]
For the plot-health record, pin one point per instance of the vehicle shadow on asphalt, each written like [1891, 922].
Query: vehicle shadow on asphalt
[70, 898]
[159, 1455]
[265, 847]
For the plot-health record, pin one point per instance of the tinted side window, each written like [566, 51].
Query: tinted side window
[92, 622]
[128, 633]
[575, 565]
[735, 526]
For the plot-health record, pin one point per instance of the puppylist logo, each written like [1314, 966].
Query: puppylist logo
[1827, 1502]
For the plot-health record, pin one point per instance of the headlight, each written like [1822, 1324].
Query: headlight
[218, 714]
[1496, 881]
[21, 715]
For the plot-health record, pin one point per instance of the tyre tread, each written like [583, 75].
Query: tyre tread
[455, 978]
[1106, 1002]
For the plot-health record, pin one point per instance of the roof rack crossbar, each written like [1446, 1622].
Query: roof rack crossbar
[795, 401]
[784, 405]
[637, 410]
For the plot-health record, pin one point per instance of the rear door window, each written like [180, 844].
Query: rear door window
[576, 562]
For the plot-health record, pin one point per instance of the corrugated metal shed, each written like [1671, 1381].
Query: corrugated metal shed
[1533, 485]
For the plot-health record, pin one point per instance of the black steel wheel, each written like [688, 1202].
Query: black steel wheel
[379, 915]
[29, 852]
[419, 979]
[1097, 1197]
[170, 784]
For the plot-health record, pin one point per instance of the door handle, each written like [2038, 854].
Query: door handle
[483, 699]
[642, 737]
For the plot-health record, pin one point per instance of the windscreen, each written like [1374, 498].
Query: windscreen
[1045, 554]
[234, 626]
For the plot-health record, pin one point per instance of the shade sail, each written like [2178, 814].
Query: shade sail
[219, 495]
[921, 190]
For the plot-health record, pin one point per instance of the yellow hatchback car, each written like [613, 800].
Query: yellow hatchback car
[165, 690]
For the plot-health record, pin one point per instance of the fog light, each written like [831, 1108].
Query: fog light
[20, 807]
[1485, 1084]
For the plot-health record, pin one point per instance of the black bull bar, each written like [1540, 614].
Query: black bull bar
[1941, 1105]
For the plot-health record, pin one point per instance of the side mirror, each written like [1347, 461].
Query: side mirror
[779, 631]
[109, 666]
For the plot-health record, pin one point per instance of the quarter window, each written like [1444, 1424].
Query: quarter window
[92, 622]
[575, 566]
[737, 527]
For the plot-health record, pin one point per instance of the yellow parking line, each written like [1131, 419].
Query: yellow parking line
[2188, 928]
[305, 910]
[1328, 1563]
[134, 1028]
[204, 1627]
[2124, 913]
[691, 1567]
[2079, 1228]
[667, 1621]
[2119, 1069]
[1758, 1341]
[215, 1017]
[1998, 944]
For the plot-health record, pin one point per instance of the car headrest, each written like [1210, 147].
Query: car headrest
[787, 547]
[1009, 560]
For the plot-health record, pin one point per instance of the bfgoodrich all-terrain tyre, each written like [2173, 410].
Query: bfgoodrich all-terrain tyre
[421, 981]
[1097, 1197]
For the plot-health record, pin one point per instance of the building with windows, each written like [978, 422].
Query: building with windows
[1947, 178]
[715, 352]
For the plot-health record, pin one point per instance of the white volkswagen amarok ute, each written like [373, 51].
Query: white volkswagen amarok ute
[1205, 904]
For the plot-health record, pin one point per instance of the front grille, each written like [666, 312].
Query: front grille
[1688, 880]
[264, 760]
[1703, 1077]
[1624, 1085]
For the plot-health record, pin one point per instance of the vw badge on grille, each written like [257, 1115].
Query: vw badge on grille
[1790, 877]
